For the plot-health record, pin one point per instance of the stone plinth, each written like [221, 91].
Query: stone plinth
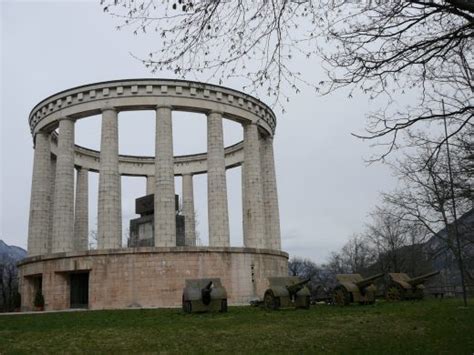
[150, 277]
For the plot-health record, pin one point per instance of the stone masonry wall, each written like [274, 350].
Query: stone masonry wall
[152, 277]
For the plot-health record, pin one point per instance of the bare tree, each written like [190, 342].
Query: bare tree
[93, 239]
[354, 257]
[196, 229]
[421, 48]
[395, 245]
[336, 264]
[220, 40]
[357, 254]
[387, 235]
[321, 280]
[8, 286]
[296, 266]
[428, 192]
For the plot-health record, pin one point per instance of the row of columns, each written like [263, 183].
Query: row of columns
[66, 229]
[58, 221]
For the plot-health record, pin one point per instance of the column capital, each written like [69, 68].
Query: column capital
[249, 124]
[109, 108]
[44, 133]
[216, 112]
[41, 133]
[66, 118]
[163, 106]
[267, 137]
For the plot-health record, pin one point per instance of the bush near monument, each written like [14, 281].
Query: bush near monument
[39, 301]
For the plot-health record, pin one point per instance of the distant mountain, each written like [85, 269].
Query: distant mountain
[443, 257]
[11, 253]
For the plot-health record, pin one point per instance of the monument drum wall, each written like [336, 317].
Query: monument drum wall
[113, 276]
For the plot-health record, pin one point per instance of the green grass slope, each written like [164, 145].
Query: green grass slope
[432, 326]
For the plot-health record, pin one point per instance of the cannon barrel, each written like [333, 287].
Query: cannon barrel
[206, 293]
[420, 279]
[293, 289]
[208, 286]
[368, 281]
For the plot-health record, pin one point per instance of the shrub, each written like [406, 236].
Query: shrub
[17, 300]
[39, 299]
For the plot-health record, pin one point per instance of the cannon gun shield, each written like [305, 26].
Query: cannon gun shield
[354, 288]
[286, 292]
[204, 295]
[401, 287]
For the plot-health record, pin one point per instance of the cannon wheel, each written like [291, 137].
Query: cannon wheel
[224, 305]
[370, 298]
[307, 302]
[393, 293]
[270, 301]
[340, 297]
[419, 294]
[187, 306]
[182, 303]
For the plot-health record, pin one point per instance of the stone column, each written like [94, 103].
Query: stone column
[216, 183]
[188, 211]
[270, 195]
[40, 202]
[109, 228]
[254, 217]
[51, 208]
[63, 212]
[150, 184]
[165, 213]
[244, 200]
[81, 222]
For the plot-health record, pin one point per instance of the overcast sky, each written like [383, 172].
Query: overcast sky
[326, 190]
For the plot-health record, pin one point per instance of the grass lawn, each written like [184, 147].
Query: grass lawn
[430, 326]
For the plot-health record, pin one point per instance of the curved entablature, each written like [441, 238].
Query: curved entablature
[133, 165]
[147, 94]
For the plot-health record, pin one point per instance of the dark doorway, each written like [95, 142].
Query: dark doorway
[79, 290]
[35, 288]
[38, 284]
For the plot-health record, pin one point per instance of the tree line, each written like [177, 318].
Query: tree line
[416, 226]
[9, 295]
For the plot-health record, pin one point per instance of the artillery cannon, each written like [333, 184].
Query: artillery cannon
[287, 292]
[204, 295]
[402, 287]
[353, 288]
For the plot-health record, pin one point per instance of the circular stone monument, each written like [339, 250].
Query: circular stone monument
[60, 264]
